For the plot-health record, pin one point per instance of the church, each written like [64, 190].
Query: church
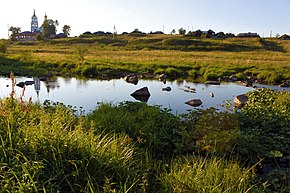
[35, 29]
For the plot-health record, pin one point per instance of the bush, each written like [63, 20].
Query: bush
[156, 133]
[3, 46]
[208, 131]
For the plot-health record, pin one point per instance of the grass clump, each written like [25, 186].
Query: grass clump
[190, 174]
[149, 127]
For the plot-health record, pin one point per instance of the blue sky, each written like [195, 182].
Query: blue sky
[260, 16]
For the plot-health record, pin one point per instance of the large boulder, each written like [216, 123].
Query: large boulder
[240, 100]
[194, 102]
[131, 78]
[141, 94]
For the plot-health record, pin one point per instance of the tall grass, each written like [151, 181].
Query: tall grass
[133, 147]
[210, 175]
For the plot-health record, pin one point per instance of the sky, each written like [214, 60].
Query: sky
[265, 17]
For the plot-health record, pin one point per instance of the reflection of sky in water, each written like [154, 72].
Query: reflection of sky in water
[87, 93]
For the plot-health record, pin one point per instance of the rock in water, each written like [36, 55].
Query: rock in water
[194, 102]
[131, 78]
[240, 100]
[142, 94]
[167, 89]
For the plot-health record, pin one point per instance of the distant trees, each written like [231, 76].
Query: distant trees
[181, 31]
[221, 35]
[14, 31]
[285, 37]
[49, 28]
[66, 29]
[173, 31]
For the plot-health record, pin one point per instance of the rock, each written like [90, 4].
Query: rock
[29, 82]
[142, 94]
[166, 89]
[131, 78]
[43, 78]
[240, 100]
[162, 77]
[20, 84]
[194, 102]
[211, 94]
[213, 82]
[233, 78]
[285, 84]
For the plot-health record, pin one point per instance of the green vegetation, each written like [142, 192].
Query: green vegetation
[187, 57]
[133, 147]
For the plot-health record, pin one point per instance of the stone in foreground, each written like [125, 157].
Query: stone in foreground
[194, 102]
[240, 100]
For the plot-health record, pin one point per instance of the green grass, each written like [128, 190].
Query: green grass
[190, 174]
[133, 147]
[172, 54]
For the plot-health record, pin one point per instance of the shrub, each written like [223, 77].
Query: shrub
[156, 133]
[208, 131]
[3, 46]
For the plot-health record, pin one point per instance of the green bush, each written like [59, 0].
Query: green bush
[208, 131]
[3, 46]
[150, 127]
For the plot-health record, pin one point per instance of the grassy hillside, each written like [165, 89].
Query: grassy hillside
[178, 56]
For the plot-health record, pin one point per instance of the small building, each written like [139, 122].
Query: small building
[247, 35]
[26, 36]
[60, 35]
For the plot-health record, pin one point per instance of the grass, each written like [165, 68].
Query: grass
[176, 55]
[133, 147]
[190, 174]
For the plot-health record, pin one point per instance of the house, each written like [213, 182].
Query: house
[26, 36]
[60, 35]
[247, 35]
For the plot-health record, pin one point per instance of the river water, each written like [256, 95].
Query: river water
[86, 94]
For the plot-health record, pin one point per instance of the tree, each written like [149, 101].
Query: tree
[181, 31]
[66, 29]
[221, 35]
[38, 37]
[14, 31]
[49, 28]
[173, 31]
[198, 33]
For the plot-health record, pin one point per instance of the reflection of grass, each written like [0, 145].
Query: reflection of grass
[175, 54]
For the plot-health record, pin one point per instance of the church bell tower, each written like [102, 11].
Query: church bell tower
[34, 23]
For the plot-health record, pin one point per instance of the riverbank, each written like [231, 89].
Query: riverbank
[196, 60]
[133, 147]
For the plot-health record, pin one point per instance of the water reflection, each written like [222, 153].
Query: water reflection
[88, 93]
